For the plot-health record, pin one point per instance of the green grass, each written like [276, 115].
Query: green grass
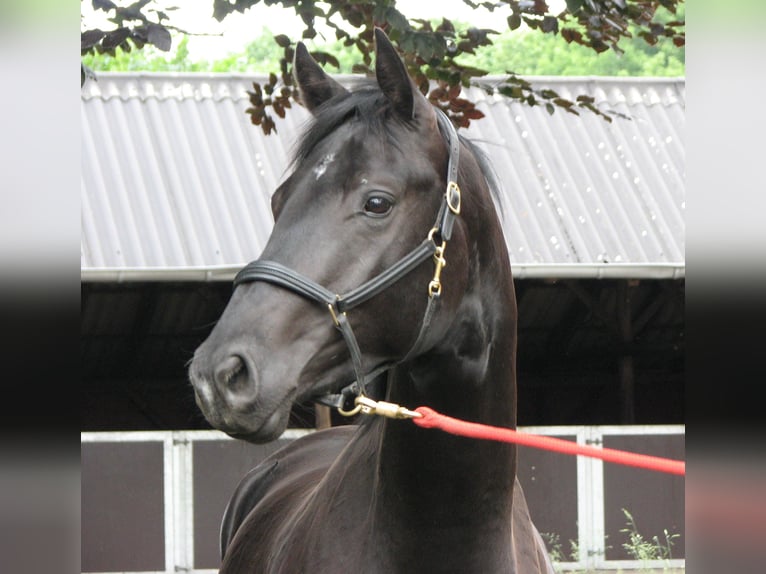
[643, 550]
[648, 552]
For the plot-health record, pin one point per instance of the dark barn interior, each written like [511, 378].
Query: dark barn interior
[590, 352]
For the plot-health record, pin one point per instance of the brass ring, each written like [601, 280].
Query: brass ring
[350, 413]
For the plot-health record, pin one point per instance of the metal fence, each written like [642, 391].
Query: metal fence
[152, 501]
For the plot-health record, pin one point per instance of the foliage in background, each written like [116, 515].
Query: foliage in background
[261, 55]
[527, 54]
[556, 548]
[643, 550]
[647, 552]
[437, 54]
[534, 54]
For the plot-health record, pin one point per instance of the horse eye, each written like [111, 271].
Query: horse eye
[378, 205]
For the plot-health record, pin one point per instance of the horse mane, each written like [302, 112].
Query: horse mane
[366, 104]
[488, 172]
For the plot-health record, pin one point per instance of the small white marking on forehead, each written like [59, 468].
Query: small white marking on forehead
[321, 166]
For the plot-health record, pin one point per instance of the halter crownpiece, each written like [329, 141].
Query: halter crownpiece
[433, 245]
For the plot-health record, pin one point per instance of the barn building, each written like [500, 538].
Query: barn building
[175, 197]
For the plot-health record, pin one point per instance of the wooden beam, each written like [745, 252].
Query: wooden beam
[666, 295]
[592, 305]
[322, 417]
[627, 374]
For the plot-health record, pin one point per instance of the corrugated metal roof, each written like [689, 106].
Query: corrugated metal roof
[176, 182]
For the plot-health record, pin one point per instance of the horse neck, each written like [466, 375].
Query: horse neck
[427, 478]
[470, 369]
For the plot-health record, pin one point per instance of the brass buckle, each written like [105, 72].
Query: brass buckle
[331, 307]
[453, 190]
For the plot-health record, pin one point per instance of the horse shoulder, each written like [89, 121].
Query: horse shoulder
[280, 480]
[530, 554]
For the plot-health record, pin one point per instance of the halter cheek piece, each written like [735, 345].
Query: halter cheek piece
[433, 245]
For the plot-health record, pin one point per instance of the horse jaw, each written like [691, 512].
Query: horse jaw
[251, 369]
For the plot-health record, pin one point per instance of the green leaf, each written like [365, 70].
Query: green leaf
[533, 23]
[472, 72]
[571, 35]
[90, 38]
[465, 47]
[360, 69]
[550, 24]
[397, 19]
[324, 58]
[356, 19]
[650, 38]
[115, 38]
[268, 125]
[104, 5]
[425, 47]
[514, 21]
[282, 40]
[159, 36]
[446, 26]
[473, 114]
[407, 43]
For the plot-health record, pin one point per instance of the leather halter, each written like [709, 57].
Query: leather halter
[338, 305]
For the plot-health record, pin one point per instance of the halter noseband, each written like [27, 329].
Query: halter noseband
[338, 305]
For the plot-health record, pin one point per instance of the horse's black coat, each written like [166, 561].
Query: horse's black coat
[385, 496]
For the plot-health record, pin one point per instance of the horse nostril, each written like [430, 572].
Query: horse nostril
[228, 370]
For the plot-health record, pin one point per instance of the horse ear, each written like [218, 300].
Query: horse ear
[316, 87]
[396, 84]
[392, 76]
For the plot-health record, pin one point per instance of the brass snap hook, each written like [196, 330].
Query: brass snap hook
[368, 406]
[435, 286]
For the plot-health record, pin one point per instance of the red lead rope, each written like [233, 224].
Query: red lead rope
[432, 419]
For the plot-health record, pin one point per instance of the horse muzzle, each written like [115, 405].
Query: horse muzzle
[233, 399]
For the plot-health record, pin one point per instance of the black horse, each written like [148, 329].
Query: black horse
[365, 215]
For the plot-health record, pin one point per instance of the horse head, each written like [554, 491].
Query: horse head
[367, 184]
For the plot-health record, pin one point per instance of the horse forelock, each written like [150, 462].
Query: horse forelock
[368, 107]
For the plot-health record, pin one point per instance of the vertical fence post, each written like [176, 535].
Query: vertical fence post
[181, 544]
[169, 498]
[590, 502]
